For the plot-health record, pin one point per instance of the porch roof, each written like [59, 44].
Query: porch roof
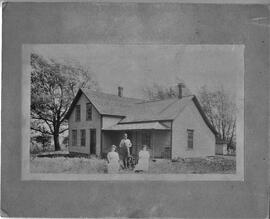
[138, 126]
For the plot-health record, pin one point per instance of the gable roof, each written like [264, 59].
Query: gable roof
[106, 104]
[136, 110]
[109, 104]
[205, 118]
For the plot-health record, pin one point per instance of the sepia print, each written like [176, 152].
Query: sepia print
[148, 111]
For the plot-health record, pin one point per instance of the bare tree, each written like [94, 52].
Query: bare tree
[159, 92]
[217, 105]
[221, 111]
[53, 87]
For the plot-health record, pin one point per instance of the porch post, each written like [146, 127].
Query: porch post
[100, 147]
[152, 134]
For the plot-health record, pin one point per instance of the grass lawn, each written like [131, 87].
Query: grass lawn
[215, 164]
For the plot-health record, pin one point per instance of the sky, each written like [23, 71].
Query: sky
[135, 66]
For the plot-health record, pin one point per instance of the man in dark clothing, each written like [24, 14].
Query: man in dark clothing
[124, 150]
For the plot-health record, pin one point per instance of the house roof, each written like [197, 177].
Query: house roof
[156, 110]
[136, 110]
[106, 104]
[110, 104]
[138, 126]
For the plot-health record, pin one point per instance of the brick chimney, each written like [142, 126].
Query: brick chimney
[180, 90]
[120, 91]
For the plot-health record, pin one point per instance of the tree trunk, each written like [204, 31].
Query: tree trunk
[56, 142]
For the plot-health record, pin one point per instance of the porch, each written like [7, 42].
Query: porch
[157, 138]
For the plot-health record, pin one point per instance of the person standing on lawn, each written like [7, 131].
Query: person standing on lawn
[124, 149]
[143, 163]
[113, 161]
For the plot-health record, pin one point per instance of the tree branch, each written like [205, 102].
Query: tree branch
[63, 114]
[41, 115]
[45, 120]
[63, 130]
[41, 130]
[40, 118]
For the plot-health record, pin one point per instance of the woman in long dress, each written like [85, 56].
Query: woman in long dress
[113, 161]
[143, 163]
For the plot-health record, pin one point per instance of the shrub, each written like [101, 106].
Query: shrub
[65, 141]
[43, 140]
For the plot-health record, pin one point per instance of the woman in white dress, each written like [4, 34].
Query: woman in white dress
[113, 161]
[143, 163]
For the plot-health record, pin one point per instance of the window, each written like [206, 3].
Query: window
[88, 111]
[83, 137]
[190, 134]
[146, 139]
[74, 137]
[77, 113]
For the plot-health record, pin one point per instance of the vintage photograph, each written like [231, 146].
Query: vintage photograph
[134, 108]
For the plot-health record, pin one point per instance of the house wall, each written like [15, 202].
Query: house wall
[108, 121]
[111, 137]
[166, 123]
[204, 139]
[95, 123]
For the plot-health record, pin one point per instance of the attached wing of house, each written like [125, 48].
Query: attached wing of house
[151, 123]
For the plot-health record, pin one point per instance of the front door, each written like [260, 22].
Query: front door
[92, 141]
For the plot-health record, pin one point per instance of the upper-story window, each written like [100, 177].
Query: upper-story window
[88, 111]
[77, 113]
[190, 135]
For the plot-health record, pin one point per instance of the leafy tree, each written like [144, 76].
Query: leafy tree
[53, 87]
[43, 139]
[221, 111]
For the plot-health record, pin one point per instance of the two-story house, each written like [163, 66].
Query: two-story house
[171, 128]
